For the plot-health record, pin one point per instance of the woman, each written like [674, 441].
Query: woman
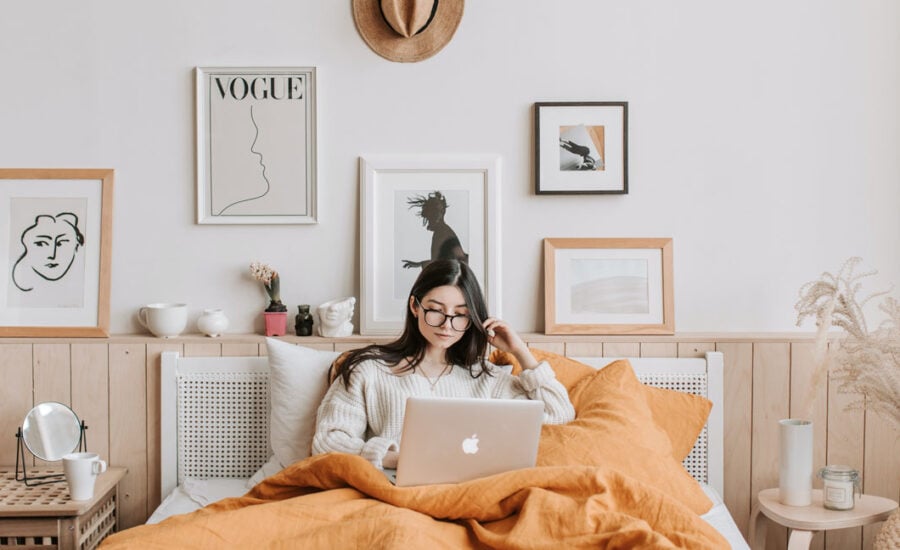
[440, 353]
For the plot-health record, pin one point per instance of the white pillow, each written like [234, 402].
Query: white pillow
[298, 379]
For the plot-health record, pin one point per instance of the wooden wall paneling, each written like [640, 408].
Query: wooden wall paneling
[584, 349]
[738, 431]
[128, 427]
[809, 401]
[52, 377]
[845, 445]
[240, 349]
[152, 367]
[622, 349]
[559, 348]
[16, 362]
[771, 403]
[204, 349]
[90, 394]
[695, 349]
[882, 466]
[659, 349]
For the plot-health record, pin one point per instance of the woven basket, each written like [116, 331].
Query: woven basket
[888, 537]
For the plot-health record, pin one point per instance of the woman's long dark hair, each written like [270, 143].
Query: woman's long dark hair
[468, 351]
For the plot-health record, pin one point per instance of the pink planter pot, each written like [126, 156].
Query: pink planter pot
[276, 323]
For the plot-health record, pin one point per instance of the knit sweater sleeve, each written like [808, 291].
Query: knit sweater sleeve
[540, 384]
[342, 423]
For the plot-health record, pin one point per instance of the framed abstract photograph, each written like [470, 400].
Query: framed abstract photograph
[608, 286]
[55, 252]
[416, 209]
[256, 145]
[581, 148]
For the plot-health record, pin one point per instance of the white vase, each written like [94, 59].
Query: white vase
[212, 322]
[795, 467]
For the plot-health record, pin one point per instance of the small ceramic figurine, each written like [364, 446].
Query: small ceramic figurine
[303, 321]
[333, 318]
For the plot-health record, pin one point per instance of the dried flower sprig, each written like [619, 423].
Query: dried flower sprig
[271, 282]
[863, 362]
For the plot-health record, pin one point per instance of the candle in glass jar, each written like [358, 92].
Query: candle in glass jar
[840, 483]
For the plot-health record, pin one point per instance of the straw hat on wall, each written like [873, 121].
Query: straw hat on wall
[407, 30]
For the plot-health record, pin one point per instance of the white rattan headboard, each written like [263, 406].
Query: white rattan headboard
[214, 413]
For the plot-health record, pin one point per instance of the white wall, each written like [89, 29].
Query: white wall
[764, 137]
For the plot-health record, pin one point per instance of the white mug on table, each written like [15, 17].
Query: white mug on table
[81, 471]
[164, 320]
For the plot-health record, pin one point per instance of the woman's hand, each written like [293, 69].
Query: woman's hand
[504, 338]
[389, 462]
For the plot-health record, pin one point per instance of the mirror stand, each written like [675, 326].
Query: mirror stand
[48, 478]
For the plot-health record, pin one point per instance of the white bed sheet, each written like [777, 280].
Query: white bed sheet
[196, 493]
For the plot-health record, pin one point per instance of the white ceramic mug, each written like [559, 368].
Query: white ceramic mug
[81, 471]
[164, 320]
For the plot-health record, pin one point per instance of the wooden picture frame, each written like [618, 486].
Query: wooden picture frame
[400, 196]
[581, 148]
[608, 286]
[55, 252]
[256, 145]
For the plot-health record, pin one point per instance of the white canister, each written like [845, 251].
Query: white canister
[212, 322]
[840, 485]
[795, 469]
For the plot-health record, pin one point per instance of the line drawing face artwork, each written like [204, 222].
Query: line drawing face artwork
[48, 264]
[259, 169]
[445, 244]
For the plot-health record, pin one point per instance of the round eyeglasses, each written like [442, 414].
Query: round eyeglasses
[436, 318]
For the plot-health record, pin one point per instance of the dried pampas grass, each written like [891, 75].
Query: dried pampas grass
[863, 362]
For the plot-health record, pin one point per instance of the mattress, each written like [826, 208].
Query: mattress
[193, 494]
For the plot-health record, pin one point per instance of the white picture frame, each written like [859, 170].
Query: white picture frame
[392, 228]
[256, 145]
[608, 286]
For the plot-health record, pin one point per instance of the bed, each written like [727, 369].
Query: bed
[219, 420]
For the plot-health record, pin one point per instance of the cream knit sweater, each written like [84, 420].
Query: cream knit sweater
[367, 418]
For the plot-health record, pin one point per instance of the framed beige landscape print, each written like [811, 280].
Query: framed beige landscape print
[608, 286]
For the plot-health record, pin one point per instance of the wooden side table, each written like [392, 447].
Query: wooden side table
[804, 521]
[44, 516]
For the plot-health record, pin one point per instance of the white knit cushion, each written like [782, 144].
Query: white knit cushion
[298, 379]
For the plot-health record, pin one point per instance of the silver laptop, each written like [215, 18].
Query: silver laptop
[449, 440]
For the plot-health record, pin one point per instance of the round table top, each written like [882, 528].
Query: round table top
[815, 517]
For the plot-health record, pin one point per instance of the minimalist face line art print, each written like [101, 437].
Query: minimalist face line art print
[581, 148]
[608, 286]
[49, 268]
[419, 209]
[55, 248]
[256, 138]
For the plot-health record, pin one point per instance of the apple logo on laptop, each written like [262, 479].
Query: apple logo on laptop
[470, 444]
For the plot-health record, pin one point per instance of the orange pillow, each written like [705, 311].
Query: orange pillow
[681, 415]
[614, 428]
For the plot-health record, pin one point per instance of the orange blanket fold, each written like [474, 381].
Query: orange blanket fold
[342, 501]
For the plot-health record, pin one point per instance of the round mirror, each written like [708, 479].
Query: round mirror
[51, 430]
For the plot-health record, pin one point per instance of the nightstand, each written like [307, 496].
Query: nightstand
[804, 521]
[44, 516]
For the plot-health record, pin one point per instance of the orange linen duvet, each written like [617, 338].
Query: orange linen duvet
[342, 501]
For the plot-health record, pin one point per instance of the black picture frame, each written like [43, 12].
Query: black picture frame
[581, 148]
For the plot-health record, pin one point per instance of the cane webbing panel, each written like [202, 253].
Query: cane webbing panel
[696, 461]
[223, 424]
